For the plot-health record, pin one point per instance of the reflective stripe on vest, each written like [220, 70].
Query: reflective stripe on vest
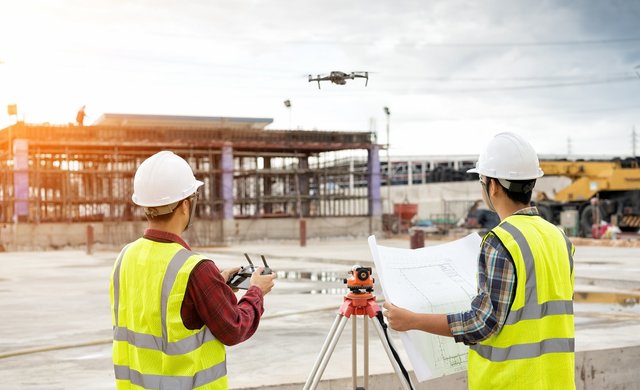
[531, 310]
[569, 251]
[149, 341]
[524, 351]
[171, 382]
[161, 344]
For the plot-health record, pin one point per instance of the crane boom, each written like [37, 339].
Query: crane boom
[591, 177]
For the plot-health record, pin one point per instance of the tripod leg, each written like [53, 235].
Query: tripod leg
[326, 351]
[403, 381]
[366, 351]
[354, 351]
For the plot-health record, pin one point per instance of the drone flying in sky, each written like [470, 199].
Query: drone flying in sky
[340, 78]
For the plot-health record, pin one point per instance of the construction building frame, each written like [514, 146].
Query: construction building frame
[84, 174]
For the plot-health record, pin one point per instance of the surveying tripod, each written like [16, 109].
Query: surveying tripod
[359, 301]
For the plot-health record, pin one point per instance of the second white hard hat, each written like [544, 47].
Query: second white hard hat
[508, 156]
[163, 179]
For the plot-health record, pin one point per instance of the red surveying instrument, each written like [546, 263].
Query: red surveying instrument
[359, 301]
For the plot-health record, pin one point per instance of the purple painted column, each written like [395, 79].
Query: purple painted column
[375, 199]
[20, 179]
[226, 163]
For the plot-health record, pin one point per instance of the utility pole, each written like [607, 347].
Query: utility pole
[568, 147]
[287, 103]
[389, 206]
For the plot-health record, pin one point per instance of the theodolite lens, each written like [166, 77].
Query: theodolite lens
[363, 274]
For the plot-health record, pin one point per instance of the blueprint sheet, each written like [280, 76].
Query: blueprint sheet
[435, 279]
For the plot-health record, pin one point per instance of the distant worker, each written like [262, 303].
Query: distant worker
[487, 219]
[520, 327]
[472, 220]
[172, 311]
[80, 116]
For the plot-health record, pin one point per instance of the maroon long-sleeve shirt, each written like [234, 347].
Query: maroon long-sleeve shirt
[210, 301]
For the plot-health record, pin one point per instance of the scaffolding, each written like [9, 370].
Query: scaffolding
[84, 174]
[300, 185]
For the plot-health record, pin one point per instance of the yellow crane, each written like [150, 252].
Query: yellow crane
[615, 184]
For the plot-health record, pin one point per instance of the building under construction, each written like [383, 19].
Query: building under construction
[258, 183]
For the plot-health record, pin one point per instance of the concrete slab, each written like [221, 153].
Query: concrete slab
[56, 328]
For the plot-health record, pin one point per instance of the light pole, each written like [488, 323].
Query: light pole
[287, 103]
[389, 207]
[302, 224]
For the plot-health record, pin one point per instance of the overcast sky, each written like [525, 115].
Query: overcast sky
[453, 73]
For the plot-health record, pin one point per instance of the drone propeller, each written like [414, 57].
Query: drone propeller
[362, 74]
[317, 78]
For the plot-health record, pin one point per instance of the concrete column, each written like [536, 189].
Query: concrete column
[373, 166]
[409, 173]
[351, 175]
[303, 177]
[226, 165]
[266, 185]
[21, 180]
[258, 190]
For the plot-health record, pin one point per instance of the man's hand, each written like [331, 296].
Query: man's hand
[263, 282]
[402, 320]
[399, 319]
[226, 274]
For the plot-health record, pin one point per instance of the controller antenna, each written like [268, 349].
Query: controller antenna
[248, 259]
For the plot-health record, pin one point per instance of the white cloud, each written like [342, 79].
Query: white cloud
[448, 69]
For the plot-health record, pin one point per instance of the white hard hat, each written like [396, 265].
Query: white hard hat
[508, 156]
[163, 179]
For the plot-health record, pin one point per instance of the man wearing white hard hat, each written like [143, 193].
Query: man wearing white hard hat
[172, 311]
[520, 327]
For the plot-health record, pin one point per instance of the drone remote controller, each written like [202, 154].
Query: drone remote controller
[242, 278]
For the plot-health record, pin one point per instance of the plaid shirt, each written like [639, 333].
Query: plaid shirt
[496, 290]
[209, 301]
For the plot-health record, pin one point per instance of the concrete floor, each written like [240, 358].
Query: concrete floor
[55, 330]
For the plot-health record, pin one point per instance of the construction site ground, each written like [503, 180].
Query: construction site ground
[56, 327]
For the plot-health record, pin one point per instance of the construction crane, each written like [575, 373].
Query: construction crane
[614, 184]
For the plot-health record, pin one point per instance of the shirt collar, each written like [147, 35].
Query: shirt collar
[527, 211]
[163, 236]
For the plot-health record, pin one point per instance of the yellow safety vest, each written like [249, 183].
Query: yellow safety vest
[535, 347]
[152, 349]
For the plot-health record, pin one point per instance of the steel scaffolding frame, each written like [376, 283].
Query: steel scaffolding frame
[79, 174]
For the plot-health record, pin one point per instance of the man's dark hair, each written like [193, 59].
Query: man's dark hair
[516, 196]
[164, 217]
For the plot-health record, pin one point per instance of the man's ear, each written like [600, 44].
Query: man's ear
[185, 207]
[495, 187]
